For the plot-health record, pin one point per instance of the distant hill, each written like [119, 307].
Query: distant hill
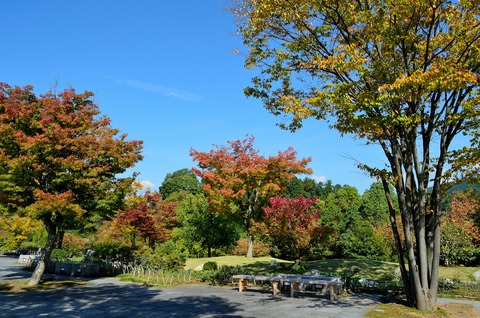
[464, 186]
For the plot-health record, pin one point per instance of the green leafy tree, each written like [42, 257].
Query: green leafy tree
[202, 226]
[178, 181]
[374, 206]
[58, 159]
[341, 208]
[399, 74]
[361, 241]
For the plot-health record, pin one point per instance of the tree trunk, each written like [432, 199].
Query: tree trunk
[209, 251]
[59, 240]
[44, 260]
[250, 246]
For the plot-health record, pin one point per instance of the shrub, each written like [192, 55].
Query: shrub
[74, 244]
[222, 276]
[59, 255]
[210, 266]
[113, 251]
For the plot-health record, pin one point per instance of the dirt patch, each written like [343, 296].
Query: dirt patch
[460, 310]
[21, 286]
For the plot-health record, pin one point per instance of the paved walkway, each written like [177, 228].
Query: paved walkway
[108, 297]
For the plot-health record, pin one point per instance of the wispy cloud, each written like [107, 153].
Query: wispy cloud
[157, 89]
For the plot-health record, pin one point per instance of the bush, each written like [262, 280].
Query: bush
[113, 251]
[59, 255]
[222, 276]
[210, 266]
[74, 244]
[158, 261]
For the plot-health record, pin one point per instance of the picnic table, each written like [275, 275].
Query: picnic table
[332, 284]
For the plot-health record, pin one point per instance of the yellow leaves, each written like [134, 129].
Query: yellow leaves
[19, 226]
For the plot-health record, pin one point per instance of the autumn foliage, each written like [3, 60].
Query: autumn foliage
[291, 225]
[152, 220]
[59, 159]
[238, 175]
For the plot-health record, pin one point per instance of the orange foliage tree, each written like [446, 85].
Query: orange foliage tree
[59, 160]
[238, 181]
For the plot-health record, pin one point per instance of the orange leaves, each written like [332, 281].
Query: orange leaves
[58, 157]
[464, 213]
[54, 204]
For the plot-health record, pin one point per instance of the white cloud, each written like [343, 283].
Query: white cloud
[147, 185]
[319, 178]
[157, 89]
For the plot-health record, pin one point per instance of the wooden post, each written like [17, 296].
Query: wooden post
[242, 284]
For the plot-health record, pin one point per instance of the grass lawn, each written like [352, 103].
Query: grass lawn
[254, 264]
[341, 267]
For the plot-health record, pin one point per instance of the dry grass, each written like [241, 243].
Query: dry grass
[452, 310]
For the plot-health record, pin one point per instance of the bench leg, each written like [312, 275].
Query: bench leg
[242, 284]
[276, 288]
[333, 295]
[294, 288]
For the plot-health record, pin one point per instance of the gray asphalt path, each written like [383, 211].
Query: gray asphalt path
[108, 297]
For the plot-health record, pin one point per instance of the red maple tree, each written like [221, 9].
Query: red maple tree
[290, 226]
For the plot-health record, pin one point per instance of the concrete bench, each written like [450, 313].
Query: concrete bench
[332, 284]
[243, 280]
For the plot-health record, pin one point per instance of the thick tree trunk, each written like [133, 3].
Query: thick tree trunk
[44, 260]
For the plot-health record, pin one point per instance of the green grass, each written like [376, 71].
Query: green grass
[340, 267]
[255, 264]
[458, 272]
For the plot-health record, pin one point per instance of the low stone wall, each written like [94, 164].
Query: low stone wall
[77, 269]
[27, 260]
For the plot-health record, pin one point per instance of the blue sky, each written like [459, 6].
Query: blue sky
[164, 72]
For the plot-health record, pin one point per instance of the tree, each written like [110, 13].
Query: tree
[58, 159]
[138, 222]
[202, 226]
[237, 180]
[180, 180]
[290, 226]
[17, 229]
[399, 74]
[374, 207]
[462, 223]
[341, 209]
[464, 212]
[149, 218]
